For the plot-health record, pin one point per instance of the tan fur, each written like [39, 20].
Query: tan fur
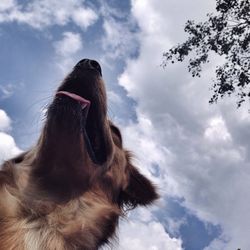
[49, 224]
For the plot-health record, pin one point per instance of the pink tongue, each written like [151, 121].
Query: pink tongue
[84, 103]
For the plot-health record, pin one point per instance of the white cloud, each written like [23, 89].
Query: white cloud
[201, 150]
[5, 122]
[217, 130]
[66, 50]
[8, 89]
[6, 4]
[120, 38]
[146, 236]
[114, 98]
[84, 17]
[149, 154]
[69, 45]
[8, 146]
[44, 13]
[142, 232]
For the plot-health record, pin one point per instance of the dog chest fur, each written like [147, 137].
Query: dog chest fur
[79, 224]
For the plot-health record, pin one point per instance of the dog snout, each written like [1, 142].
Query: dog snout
[89, 64]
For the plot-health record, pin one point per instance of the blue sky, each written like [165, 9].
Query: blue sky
[196, 153]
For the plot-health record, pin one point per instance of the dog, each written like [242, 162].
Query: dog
[69, 190]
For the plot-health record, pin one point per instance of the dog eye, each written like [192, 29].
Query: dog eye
[19, 158]
[116, 132]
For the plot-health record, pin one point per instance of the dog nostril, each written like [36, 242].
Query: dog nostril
[89, 64]
[83, 63]
[96, 66]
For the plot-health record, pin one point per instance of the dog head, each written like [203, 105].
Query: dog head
[78, 140]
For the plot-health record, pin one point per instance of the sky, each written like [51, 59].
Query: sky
[197, 153]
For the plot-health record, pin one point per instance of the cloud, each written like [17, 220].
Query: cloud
[143, 232]
[114, 98]
[40, 14]
[6, 5]
[119, 41]
[8, 146]
[84, 17]
[146, 236]
[8, 89]
[140, 137]
[217, 130]
[66, 50]
[5, 122]
[200, 150]
[120, 33]
[69, 45]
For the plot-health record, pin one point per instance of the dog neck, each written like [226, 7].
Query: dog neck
[62, 166]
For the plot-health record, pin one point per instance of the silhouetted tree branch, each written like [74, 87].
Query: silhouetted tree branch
[226, 33]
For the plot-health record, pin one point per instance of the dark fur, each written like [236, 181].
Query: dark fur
[68, 191]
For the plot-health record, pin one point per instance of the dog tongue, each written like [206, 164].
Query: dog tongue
[84, 103]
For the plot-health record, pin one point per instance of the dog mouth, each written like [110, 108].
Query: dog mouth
[91, 137]
[83, 102]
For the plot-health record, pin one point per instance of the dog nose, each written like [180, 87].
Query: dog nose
[89, 64]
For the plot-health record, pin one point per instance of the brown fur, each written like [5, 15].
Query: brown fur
[63, 194]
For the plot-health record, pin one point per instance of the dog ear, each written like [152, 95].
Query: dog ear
[139, 191]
